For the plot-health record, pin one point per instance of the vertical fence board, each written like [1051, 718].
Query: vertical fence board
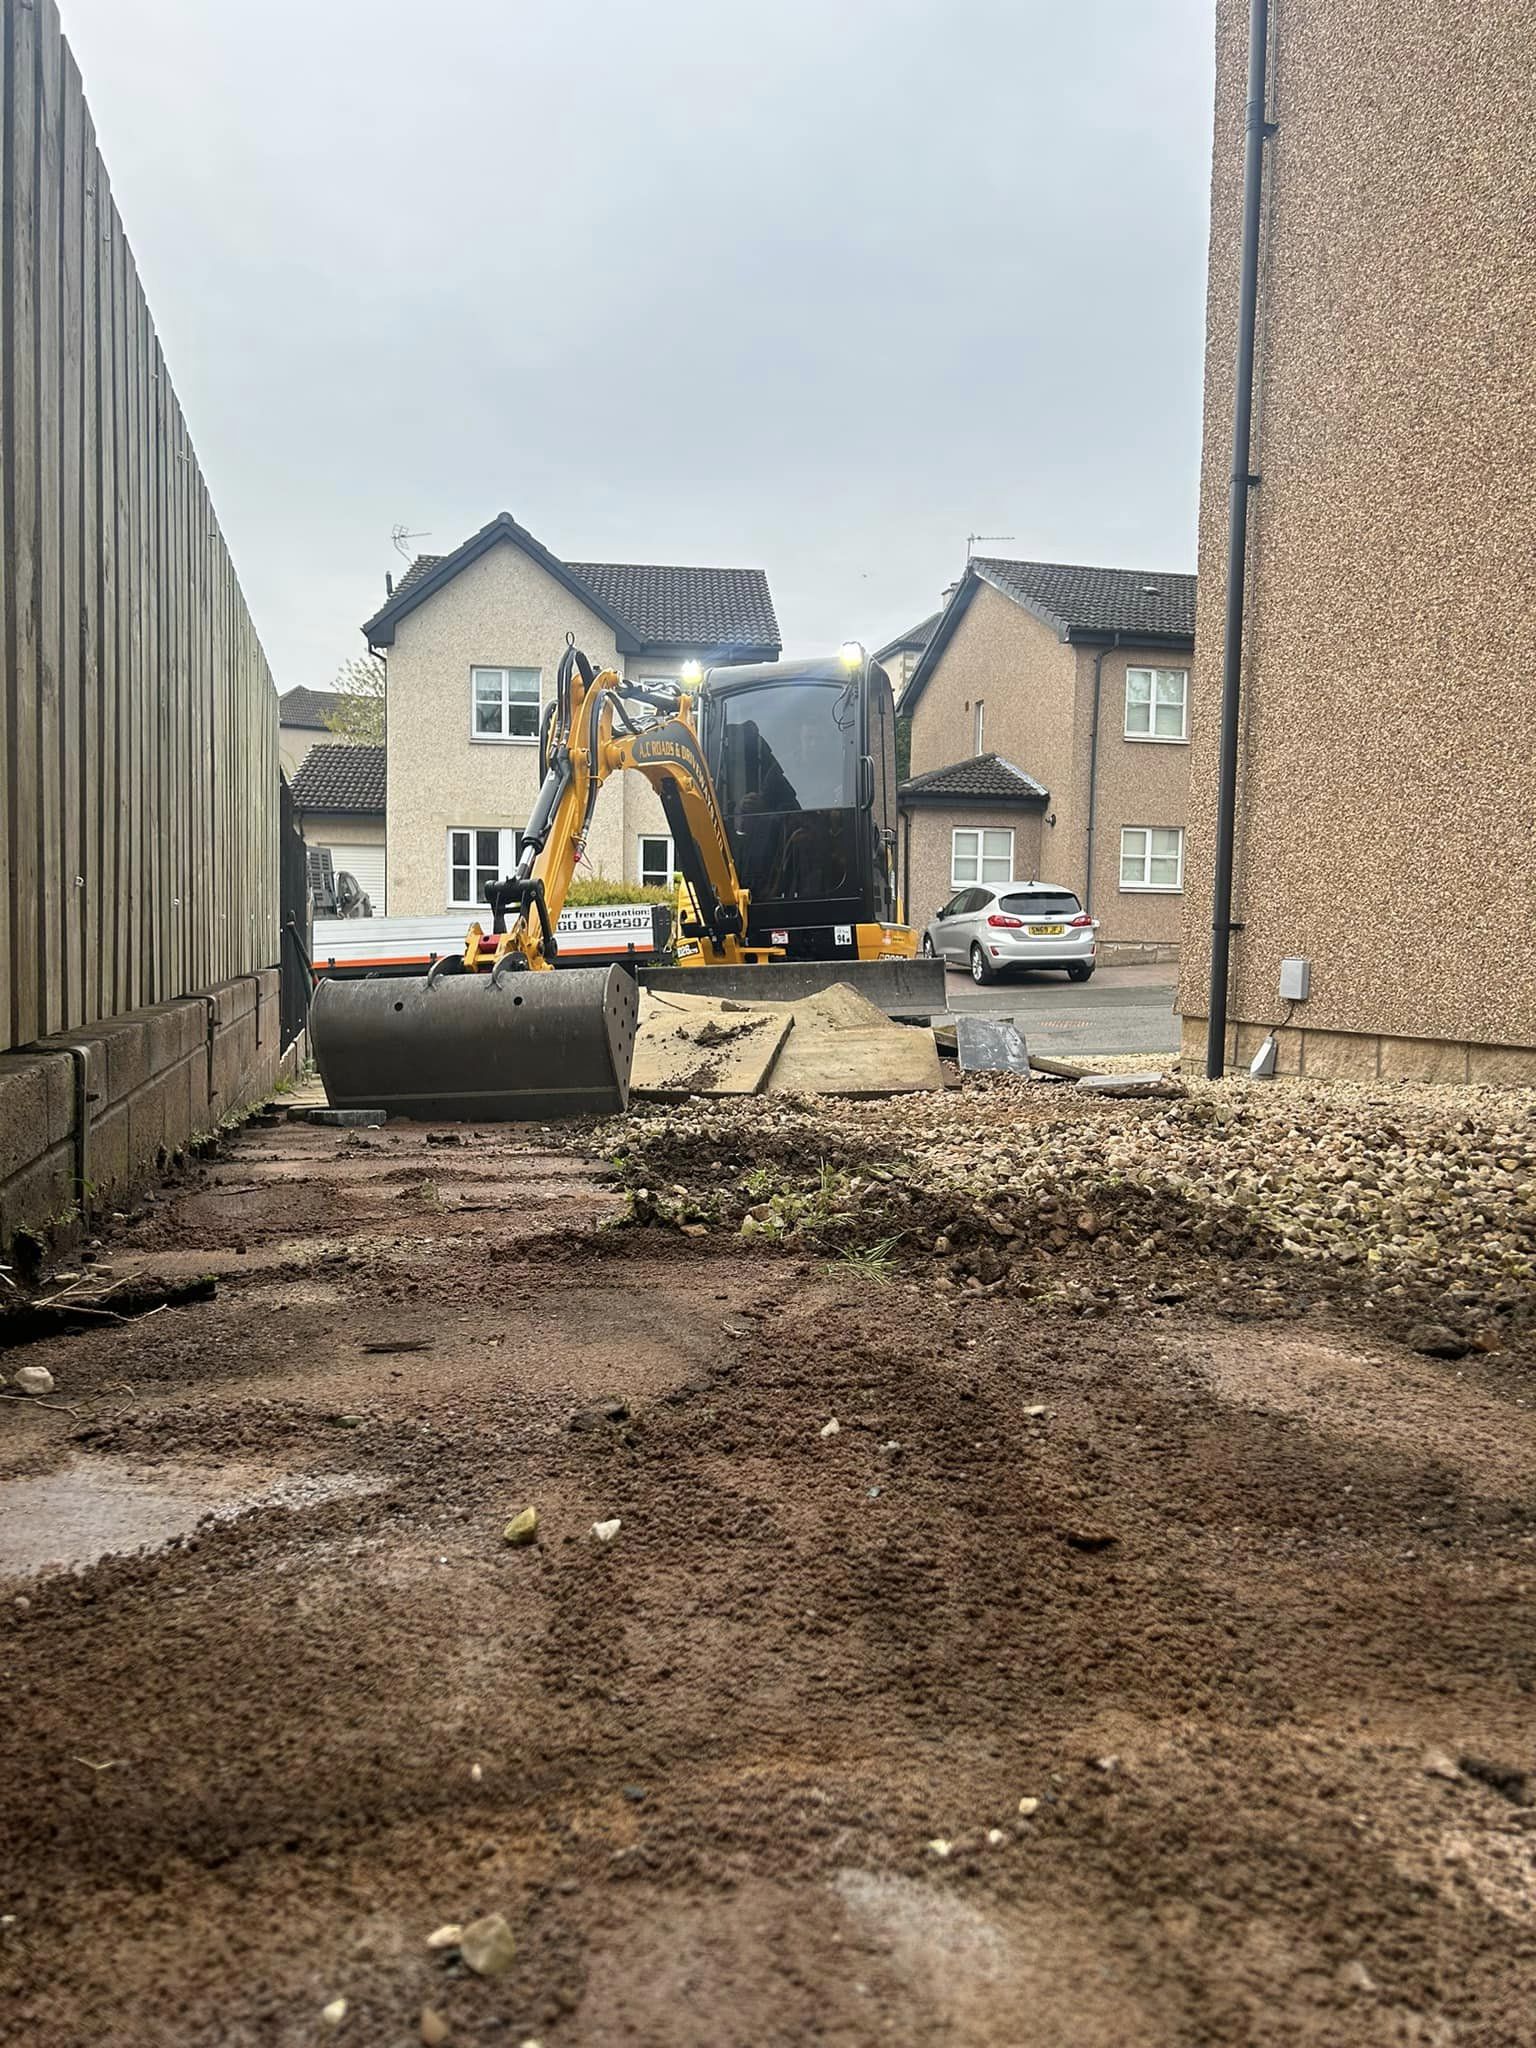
[88, 765]
[138, 742]
[21, 229]
[50, 409]
[7, 351]
[69, 934]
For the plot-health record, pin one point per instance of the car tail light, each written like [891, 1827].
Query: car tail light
[1008, 924]
[1079, 921]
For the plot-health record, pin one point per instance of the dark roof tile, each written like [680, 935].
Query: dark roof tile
[305, 707]
[340, 778]
[988, 778]
[648, 604]
[916, 637]
[1087, 600]
[686, 607]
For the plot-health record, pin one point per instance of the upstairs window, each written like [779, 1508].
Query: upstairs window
[505, 704]
[1156, 703]
[979, 726]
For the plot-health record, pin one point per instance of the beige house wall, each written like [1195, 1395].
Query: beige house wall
[1140, 782]
[1038, 692]
[501, 611]
[1387, 794]
[293, 745]
[342, 828]
[931, 866]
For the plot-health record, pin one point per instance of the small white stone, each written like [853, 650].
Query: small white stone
[996, 1835]
[606, 1531]
[1029, 1806]
[334, 2013]
[34, 1379]
[831, 1428]
[476, 1773]
[1039, 1409]
[446, 1937]
[940, 1848]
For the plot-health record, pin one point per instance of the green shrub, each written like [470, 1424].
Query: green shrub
[589, 889]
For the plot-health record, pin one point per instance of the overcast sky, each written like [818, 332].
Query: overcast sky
[819, 286]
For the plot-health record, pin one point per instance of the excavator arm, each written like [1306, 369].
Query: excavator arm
[591, 731]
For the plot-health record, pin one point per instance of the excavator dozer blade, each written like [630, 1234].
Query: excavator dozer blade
[466, 1048]
[902, 988]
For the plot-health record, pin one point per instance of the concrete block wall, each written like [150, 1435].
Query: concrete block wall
[1368, 1056]
[151, 1081]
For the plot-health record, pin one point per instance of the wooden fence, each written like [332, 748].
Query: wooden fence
[138, 748]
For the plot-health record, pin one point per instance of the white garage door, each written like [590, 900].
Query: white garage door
[367, 864]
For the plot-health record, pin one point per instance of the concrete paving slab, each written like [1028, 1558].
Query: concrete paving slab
[700, 1045]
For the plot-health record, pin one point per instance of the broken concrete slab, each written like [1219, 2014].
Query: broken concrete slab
[1130, 1085]
[843, 1045]
[705, 1045]
[1059, 1070]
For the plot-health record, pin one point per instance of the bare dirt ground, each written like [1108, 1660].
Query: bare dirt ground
[1240, 1591]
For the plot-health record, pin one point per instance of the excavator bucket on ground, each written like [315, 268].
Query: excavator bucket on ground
[463, 1048]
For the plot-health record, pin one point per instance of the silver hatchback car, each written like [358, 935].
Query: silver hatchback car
[993, 927]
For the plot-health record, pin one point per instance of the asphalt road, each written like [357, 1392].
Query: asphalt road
[1122, 1010]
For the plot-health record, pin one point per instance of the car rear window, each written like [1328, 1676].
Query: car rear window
[1049, 904]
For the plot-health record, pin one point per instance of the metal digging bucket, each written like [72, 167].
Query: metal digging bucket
[466, 1048]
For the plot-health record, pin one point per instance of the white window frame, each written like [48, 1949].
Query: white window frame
[979, 728]
[642, 839]
[978, 856]
[1142, 860]
[508, 838]
[1152, 707]
[504, 738]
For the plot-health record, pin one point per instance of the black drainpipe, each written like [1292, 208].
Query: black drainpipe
[1257, 131]
[1093, 765]
[906, 862]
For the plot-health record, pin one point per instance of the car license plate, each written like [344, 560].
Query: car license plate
[1046, 931]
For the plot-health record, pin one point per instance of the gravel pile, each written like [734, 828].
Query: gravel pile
[1416, 1196]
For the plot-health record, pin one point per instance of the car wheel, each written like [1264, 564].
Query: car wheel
[927, 946]
[982, 970]
[1078, 972]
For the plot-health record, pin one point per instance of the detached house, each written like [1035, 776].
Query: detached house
[472, 642]
[1049, 714]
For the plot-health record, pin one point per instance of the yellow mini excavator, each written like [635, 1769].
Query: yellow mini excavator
[779, 787]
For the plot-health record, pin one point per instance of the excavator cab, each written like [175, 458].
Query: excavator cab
[803, 758]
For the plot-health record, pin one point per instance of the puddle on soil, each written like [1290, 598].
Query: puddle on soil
[94, 1508]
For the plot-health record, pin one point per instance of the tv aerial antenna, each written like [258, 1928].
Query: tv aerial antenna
[987, 539]
[402, 537]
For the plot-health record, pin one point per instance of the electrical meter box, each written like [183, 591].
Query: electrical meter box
[1295, 980]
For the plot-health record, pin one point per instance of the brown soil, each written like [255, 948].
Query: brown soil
[1229, 1598]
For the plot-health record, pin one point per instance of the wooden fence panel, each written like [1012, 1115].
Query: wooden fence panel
[20, 461]
[138, 742]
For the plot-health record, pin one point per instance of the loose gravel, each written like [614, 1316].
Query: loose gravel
[1409, 1202]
